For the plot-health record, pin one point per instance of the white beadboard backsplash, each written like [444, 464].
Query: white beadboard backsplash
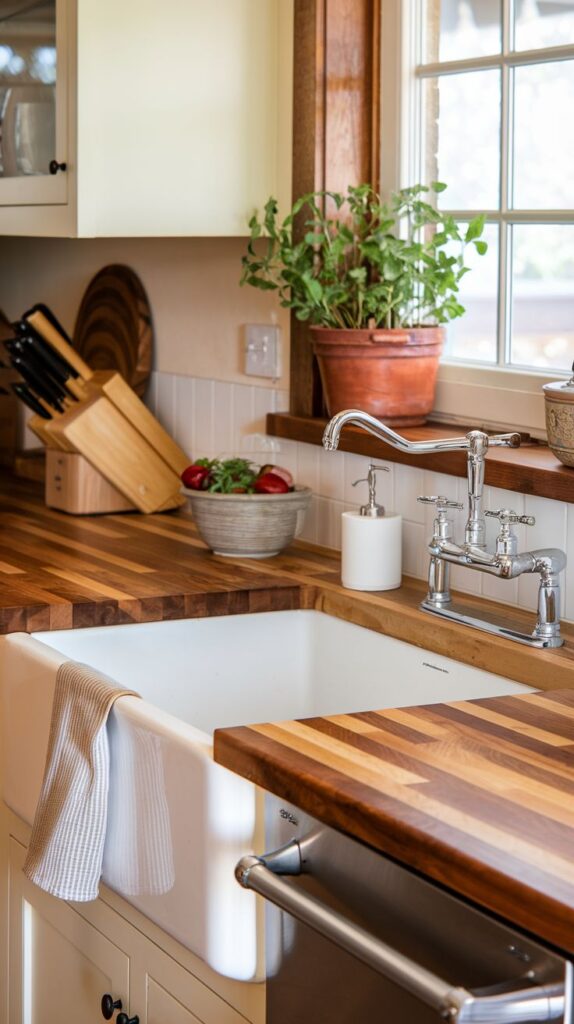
[211, 417]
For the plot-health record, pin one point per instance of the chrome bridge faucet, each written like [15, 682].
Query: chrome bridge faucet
[505, 561]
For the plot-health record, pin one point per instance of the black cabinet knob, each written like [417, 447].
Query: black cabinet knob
[109, 1004]
[122, 1018]
[54, 167]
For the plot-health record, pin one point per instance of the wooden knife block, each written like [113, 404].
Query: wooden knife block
[113, 454]
[73, 485]
[122, 443]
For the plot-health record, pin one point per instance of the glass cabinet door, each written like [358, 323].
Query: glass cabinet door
[31, 137]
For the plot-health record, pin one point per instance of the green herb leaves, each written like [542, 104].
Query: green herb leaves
[232, 476]
[355, 261]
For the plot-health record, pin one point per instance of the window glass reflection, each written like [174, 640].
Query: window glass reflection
[544, 136]
[473, 337]
[542, 23]
[457, 29]
[461, 150]
[542, 295]
[27, 86]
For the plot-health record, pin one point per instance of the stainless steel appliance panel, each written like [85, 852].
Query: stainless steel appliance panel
[310, 979]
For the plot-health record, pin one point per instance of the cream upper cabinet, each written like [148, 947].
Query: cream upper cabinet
[173, 117]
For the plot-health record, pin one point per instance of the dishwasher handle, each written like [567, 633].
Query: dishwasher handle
[456, 1005]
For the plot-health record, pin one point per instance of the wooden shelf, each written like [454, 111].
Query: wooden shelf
[530, 469]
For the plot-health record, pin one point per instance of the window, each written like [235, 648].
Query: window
[486, 93]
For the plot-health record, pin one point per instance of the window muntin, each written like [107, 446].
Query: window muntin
[494, 91]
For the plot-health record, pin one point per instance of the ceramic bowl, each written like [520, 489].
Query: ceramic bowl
[559, 403]
[248, 525]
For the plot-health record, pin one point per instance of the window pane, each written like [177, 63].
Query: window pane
[540, 23]
[456, 29]
[542, 295]
[473, 336]
[462, 138]
[544, 136]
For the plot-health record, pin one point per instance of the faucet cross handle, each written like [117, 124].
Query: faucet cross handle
[506, 516]
[439, 500]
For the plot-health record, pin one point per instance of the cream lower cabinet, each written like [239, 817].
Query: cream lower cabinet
[62, 960]
[60, 965]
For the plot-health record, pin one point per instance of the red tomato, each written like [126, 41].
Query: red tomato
[195, 477]
[277, 471]
[270, 483]
[284, 474]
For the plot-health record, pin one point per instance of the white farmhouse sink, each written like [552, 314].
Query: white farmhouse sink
[178, 822]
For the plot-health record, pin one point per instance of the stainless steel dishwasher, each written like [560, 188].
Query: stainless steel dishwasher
[360, 939]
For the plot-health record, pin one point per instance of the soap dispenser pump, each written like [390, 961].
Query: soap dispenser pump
[372, 509]
[371, 542]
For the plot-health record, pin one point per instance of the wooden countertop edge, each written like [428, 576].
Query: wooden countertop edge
[482, 883]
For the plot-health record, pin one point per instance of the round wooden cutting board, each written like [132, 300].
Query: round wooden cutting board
[114, 328]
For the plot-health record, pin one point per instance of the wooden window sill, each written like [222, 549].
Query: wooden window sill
[530, 469]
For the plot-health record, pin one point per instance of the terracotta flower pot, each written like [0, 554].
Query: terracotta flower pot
[389, 373]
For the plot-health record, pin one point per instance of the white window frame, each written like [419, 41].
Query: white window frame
[493, 396]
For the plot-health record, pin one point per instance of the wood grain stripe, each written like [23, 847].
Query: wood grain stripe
[336, 755]
[10, 570]
[516, 723]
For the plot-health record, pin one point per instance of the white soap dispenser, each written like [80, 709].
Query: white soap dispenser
[371, 544]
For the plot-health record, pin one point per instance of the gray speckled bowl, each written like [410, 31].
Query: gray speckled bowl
[248, 525]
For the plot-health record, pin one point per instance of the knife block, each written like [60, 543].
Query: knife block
[74, 486]
[102, 419]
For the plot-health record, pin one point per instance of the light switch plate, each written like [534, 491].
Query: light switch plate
[263, 350]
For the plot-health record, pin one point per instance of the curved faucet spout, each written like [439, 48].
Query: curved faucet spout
[384, 433]
[476, 442]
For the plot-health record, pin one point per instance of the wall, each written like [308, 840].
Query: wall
[192, 284]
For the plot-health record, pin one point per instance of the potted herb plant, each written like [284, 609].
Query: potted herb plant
[376, 282]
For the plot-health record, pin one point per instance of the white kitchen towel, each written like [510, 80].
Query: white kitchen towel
[69, 831]
[138, 855]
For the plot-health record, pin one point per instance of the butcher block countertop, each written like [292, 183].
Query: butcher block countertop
[477, 795]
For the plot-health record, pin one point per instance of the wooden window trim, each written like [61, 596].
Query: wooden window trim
[336, 135]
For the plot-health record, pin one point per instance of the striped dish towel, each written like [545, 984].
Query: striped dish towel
[69, 831]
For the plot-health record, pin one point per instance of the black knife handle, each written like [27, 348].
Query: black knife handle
[29, 399]
[42, 377]
[61, 369]
[25, 330]
[50, 392]
[40, 356]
